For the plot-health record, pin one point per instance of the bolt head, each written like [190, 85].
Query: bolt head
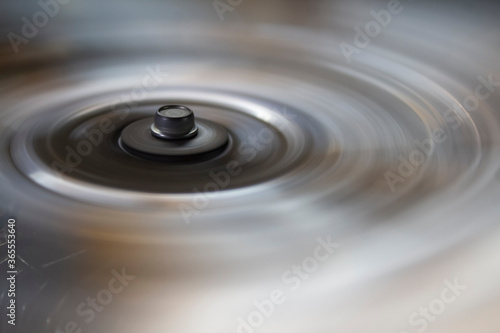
[174, 122]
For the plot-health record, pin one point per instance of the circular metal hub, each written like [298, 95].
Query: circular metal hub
[137, 139]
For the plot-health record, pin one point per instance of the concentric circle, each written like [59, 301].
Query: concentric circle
[210, 140]
[91, 154]
[380, 153]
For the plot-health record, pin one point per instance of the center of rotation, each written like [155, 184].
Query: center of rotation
[174, 122]
[174, 113]
[173, 134]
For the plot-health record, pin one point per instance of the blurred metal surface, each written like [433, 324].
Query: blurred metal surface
[388, 144]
